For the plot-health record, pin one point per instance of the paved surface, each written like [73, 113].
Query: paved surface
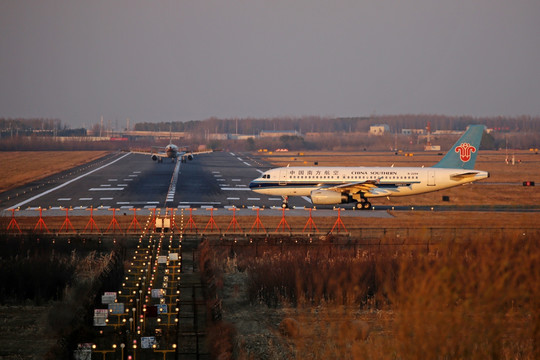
[216, 180]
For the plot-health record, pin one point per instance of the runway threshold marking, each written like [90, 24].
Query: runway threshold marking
[67, 183]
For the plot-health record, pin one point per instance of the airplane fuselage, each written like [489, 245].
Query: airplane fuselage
[338, 185]
[390, 181]
[171, 151]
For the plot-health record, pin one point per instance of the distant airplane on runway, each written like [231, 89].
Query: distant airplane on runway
[339, 185]
[170, 151]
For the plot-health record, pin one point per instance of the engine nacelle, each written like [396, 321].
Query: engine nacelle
[190, 156]
[154, 157]
[328, 197]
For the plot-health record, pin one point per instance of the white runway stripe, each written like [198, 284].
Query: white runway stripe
[172, 186]
[107, 189]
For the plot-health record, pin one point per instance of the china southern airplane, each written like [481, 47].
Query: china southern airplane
[339, 185]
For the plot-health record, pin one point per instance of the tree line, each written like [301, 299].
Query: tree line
[309, 124]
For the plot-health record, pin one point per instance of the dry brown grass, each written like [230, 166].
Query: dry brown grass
[471, 299]
[21, 167]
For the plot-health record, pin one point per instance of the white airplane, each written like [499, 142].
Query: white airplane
[339, 185]
[170, 151]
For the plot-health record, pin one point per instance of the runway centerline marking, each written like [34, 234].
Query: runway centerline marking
[67, 183]
[107, 189]
[172, 186]
[201, 202]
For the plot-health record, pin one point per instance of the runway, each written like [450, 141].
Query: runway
[217, 180]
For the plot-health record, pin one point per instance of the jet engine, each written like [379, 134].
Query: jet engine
[328, 197]
[190, 156]
[154, 157]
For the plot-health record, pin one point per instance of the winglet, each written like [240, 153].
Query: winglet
[463, 154]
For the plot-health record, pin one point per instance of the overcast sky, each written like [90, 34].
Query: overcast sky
[163, 60]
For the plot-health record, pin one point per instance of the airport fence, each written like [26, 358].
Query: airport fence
[303, 226]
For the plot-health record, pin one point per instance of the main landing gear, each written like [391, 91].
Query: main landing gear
[363, 204]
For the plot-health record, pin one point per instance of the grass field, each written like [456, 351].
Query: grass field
[21, 167]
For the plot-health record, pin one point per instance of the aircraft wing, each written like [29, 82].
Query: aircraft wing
[353, 187]
[368, 186]
[158, 154]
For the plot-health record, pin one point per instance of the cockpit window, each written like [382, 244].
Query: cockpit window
[266, 176]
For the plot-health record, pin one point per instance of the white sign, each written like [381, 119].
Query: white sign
[173, 256]
[83, 352]
[148, 341]
[158, 293]
[162, 259]
[100, 317]
[108, 298]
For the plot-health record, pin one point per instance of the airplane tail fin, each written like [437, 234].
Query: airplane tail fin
[463, 154]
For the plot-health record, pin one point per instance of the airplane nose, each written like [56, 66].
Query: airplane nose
[253, 185]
